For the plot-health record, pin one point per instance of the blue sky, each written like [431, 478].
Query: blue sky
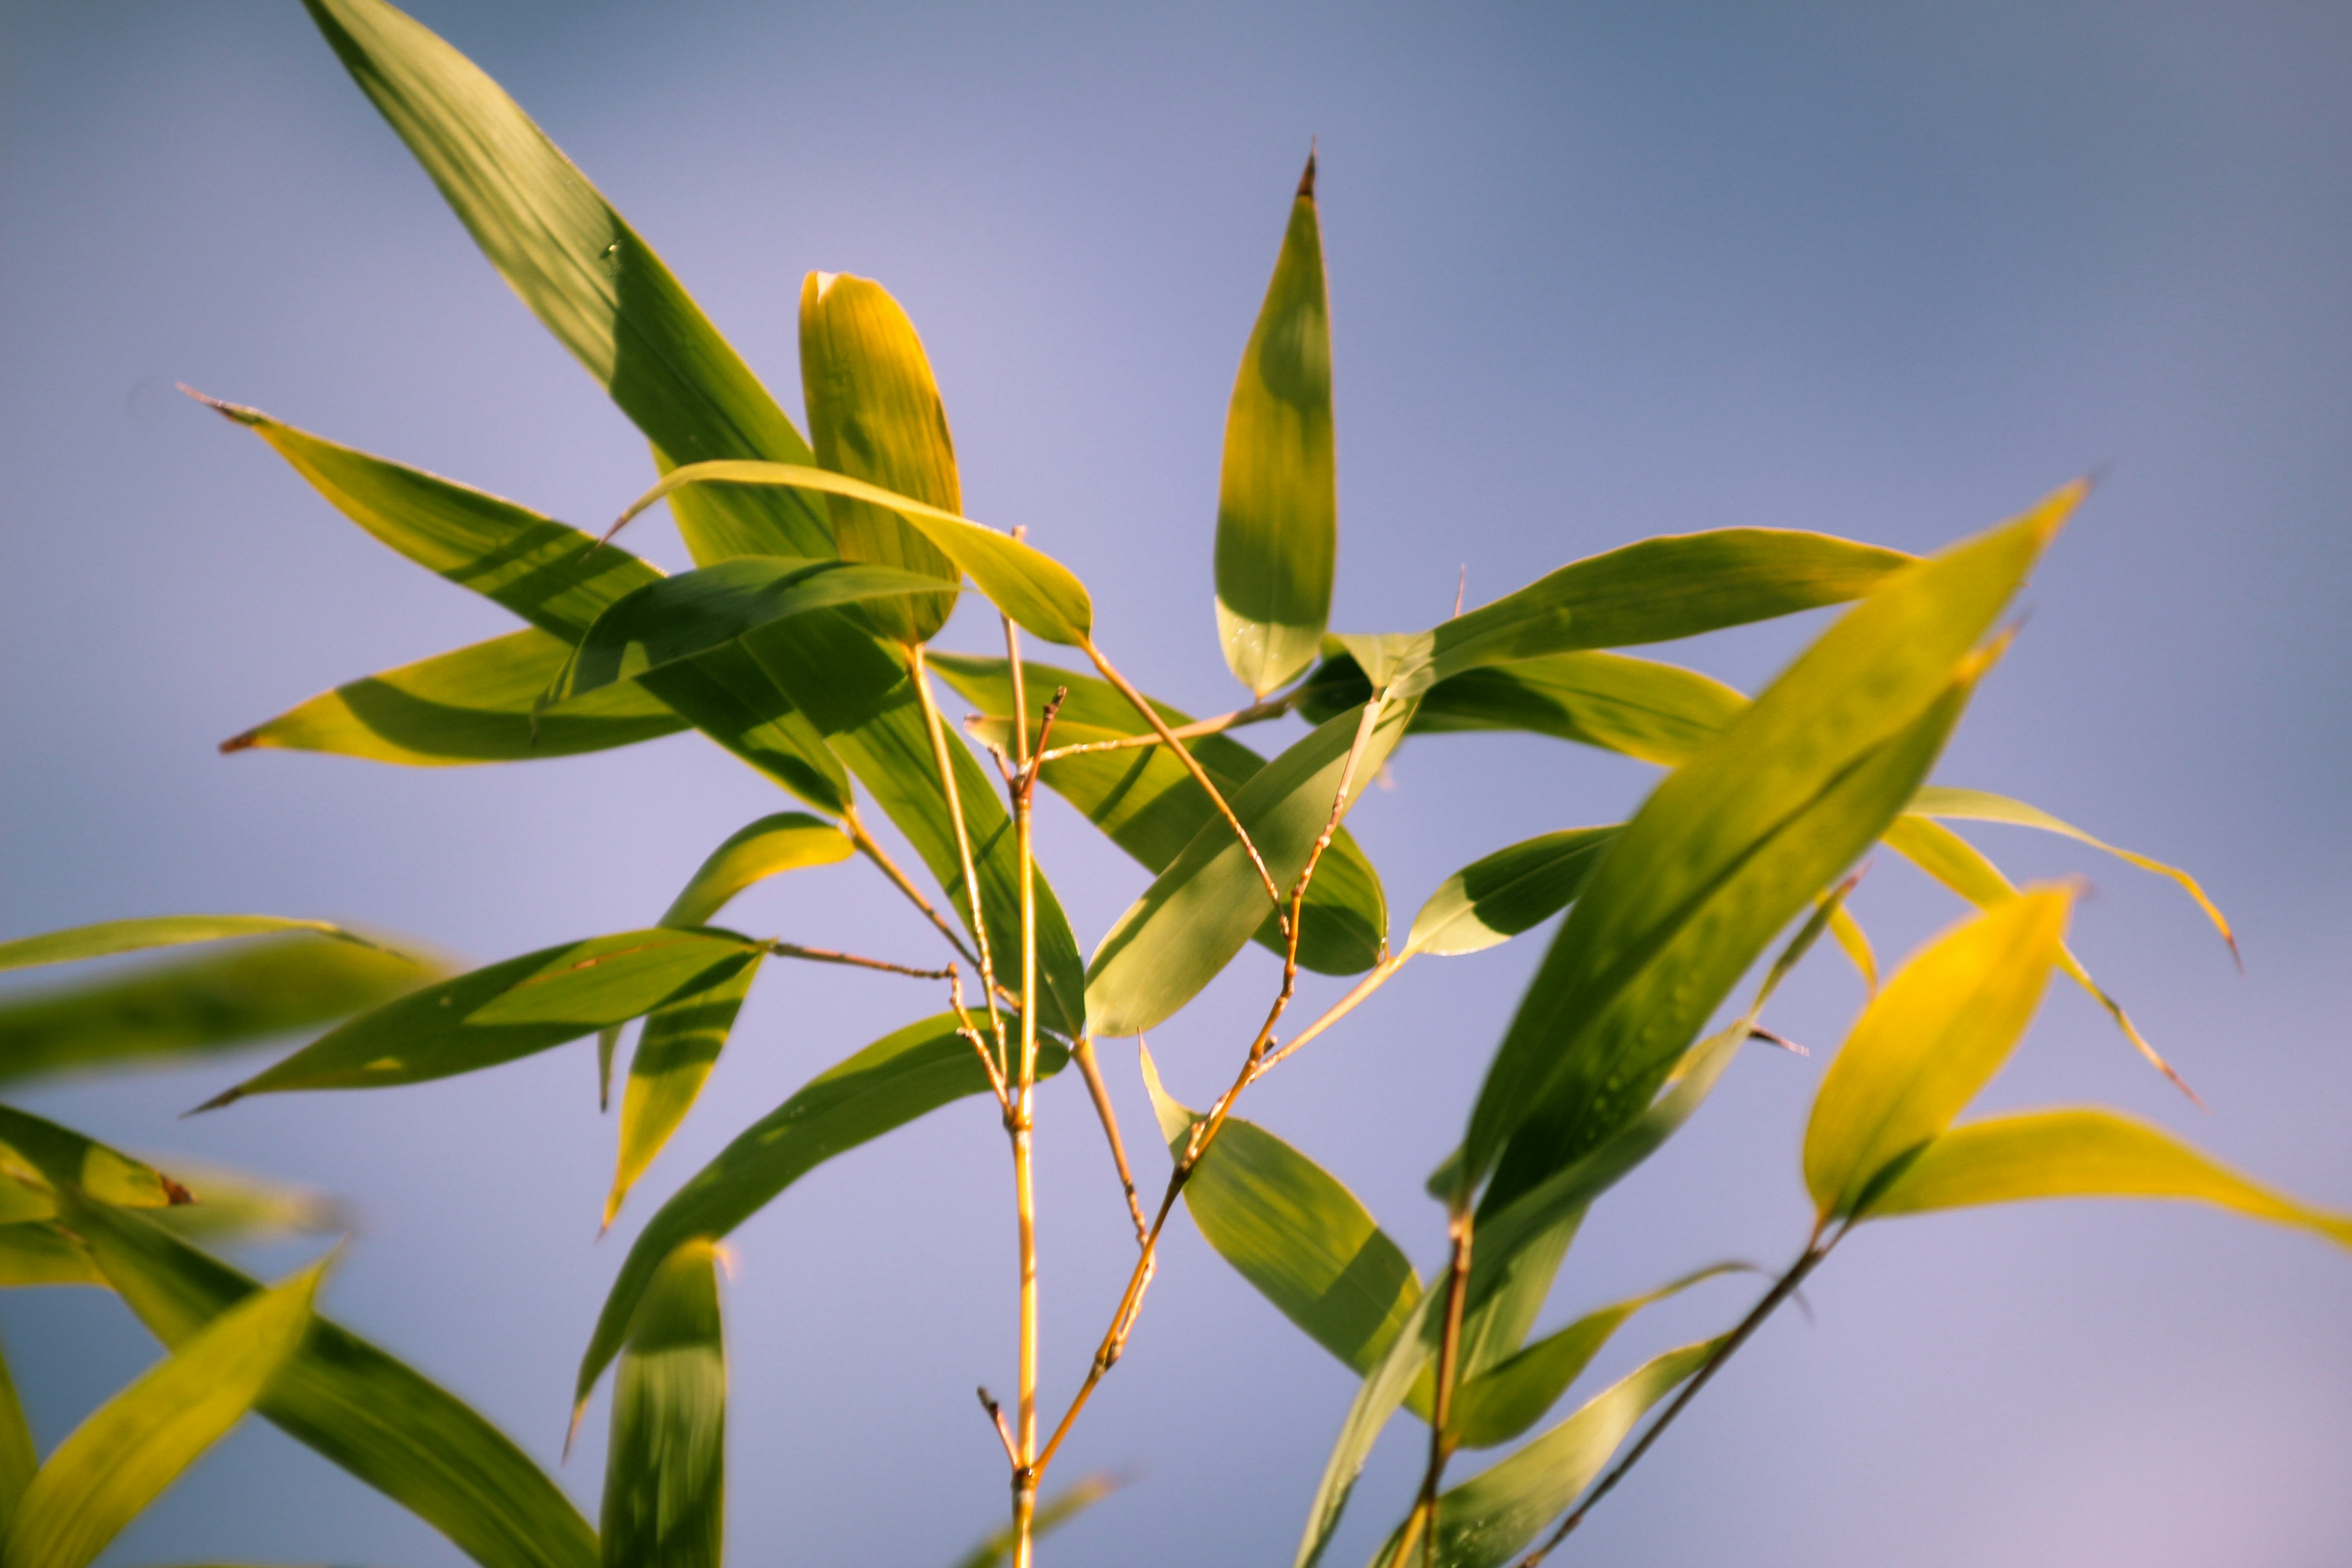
[1597, 272]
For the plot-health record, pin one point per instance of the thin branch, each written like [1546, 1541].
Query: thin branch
[826, 955]
[987, 1057]
[1449, 1350]
[1378, 978]
[1083, 1053]
[864, 843]
[1255, 713]
[921, 673]
[996, 1414]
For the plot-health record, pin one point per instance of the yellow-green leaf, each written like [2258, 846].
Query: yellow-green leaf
[110, 937]
[1928, 1042]
[875, 414]
[136, 1444]
[19, 1457]
[664, 1471]
[787, 841]
[675, 1050]
[1515, 889]
[37, 1252]
[236, 1207]
[37, 1153]
[1277, 490]
[1052, 1513]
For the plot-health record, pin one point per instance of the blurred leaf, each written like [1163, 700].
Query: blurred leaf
[2082, 1154]
[1201, 909]
[136, 1444]
[1148, 804]
[1483, 1522]
[676, 1051]
[239, 1208]
[1054, 1512]
[875, 414]
[1731, 845]
[358, 1407]
[665, 1472]
[475, 704]
[1292, 1230]
[1278, 491]
[1927, 1043]
[673, 620]
[1505, 1401]
[786, 841]
[110, 937]
[19, 1457]
[1855, 943]
[39, 1153]
[582, 270]
[889, 1083]
[36, 1252]
[508, 1010]
[208, 1002]
[1025, 584]
[1494, 898]
[1386, 1387]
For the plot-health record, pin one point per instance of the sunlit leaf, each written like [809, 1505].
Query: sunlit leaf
[582, 270]
[37, 1154]
[1385, 1388]
[1052, 1513]
[509, 1010]
[1150, 804]
[787, 841]
[136, 1444]
[1292, 1230]
[1927, 1043]
[36, 1252]
[875, 414]
[1278, 491]
[675, 1050]
[110, 937]
[2082, 1154]
[19, 1457]
[358, 1407]
[664, 1471]
[239, 1208]
[889, 1083]
[1495, 897]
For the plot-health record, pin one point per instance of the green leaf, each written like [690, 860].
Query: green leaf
[508, 1010]
[1506, 1400]
[2082, 1154]
[1027, 584]
[665, 1472]
[110, 937]
[480, 703]
[248, 991]
[36, 1252]
[1201, 909]
[1150, 804]
[136, 1444]
[1292, 1230]
[582, 270]
[1927, 1043]
[239, 1208]
[875, 414]
[1278, 491]
[1513, 889]
[358, 1407]
[1385, 1388]
[1483, 1522]
[37, 1154]
[676, 1051]
[19, 1457]
[889, 1083]
[1732, 846]
[787, 841]
[673, 620]
[1053, 1512]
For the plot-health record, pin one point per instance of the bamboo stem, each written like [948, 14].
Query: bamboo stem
[1083, 1053]
[864, 844]
[1255, 713]
[1449, 1349]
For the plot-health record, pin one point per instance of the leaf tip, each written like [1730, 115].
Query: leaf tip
[175, 1195]
[236, 412]
[1307, 180]
[246, 742]
[226, 1097]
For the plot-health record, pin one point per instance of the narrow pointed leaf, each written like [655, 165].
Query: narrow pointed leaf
[35, 1150]
[1032, 587]
[110, 937]
[1199, 913]
[1927, 1043]
[19, 1457]
[358, 1407]
[787, 841]
[1291, 1230]
[37, 1252]
[1495, 897]
[1485, 1521]
[888, 1084]
[1733, 845]
[238, 1208]
[2079, 1152]
[875, 414]
[665, 1472]
[579, 265]
[676, 1051]
[1277, 490]
[136, 1444]
[1385, 1388]
[209, 1002]
[509, 1010]
[1150, 804]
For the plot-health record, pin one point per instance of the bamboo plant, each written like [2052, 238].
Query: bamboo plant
[803, 641]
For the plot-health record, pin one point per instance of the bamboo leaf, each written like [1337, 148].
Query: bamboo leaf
[665, 1472]
[36, 1252]
[480, 703]
[1277, 490]
[676, 1051]
[1148, 804]
[1927, 1043]
[1295, 1232]
[1483, 1522]
[1494, 898]
[1385, 1388]
[1732, 845]
[110, 937]
[787, 841]
[579, 265]
[889, 1083]
[1025, 584]
[19, 1457]
[136, 1444]
[1053, 1512]
[238, 1208]
[2076, 1152]
[37, 1154]
[508, 1010]
[210, 1002]
[358, 1407]
[1201, 909]
[875, 414]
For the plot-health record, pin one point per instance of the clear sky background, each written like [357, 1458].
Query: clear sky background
[1598, 271]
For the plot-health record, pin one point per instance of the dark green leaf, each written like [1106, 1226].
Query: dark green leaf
[676, 1051]
[35, 1153]
[1494, 898]
[665, 1472]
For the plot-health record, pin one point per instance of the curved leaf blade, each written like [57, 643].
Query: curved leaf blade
[786, 841]
[107, 938]
[665, 1472]
[36, 1151]
[37, 1252]
[676, 1051]
[1515, 889]
[19, 1457]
